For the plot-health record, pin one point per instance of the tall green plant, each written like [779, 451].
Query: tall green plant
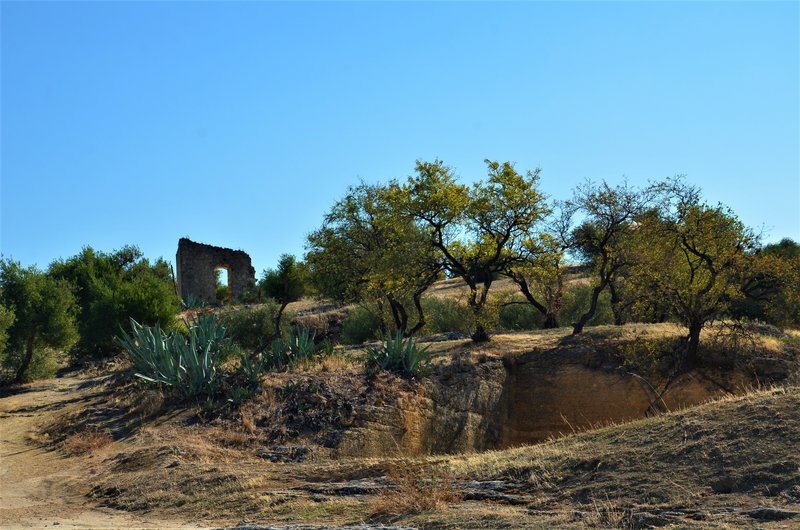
[400, 355]
[186, 363]
[280, 355]
[112, 287]
[39, 321]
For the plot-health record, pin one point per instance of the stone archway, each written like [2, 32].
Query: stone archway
[195, 266]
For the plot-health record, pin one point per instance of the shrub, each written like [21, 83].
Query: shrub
[519, 316]
[250, 327]
[41, 326]
[223, 295]
[186, 363]
[576, 302]
[443, 315]
[110, 289]
[251, 293]
[360, 325]
[400, 355]
[6, 319]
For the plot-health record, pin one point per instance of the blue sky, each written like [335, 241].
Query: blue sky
[239, 124]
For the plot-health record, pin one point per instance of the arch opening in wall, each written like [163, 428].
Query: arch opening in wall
[195, 264]
[222, 287]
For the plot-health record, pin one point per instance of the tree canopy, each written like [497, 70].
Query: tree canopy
[113, 287]
[44, 323]
[478, 230]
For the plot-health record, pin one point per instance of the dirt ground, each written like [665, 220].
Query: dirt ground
[39, 487]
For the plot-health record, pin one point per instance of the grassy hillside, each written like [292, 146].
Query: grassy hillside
[729, 463]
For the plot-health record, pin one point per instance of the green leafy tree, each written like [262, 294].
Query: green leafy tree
[370, 250]
[476, 229]
[111, 289]
[609, 216]
[697, 259]
[772, 290]
[45, 318]
[6, 320]
[782, 298]
[286, 284]
[540, 276]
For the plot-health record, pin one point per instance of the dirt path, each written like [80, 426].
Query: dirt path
[40, 487]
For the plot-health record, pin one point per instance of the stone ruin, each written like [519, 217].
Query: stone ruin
[195, 265]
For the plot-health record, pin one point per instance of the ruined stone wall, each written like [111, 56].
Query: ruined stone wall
[195, 270]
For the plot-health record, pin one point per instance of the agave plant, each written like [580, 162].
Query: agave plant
[280, 355]
[186, 363]
[301, 346]
[401, 355]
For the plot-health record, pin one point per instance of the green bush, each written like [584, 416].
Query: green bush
[110, 289]
[360, 325]
[522, 316]
[187, 363]
[252, 294]
[443, 315]
[37, 324]
[251, 328]
[400, 355]
[577, 301]
[223, 295]
[6, 319]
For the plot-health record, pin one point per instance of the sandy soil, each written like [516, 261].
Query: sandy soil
[40, 487]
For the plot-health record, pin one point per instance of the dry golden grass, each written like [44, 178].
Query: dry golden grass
[86, 442]
[415, 490]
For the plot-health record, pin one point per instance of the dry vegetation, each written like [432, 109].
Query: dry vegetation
[705, 467]
[273, 459]
[86, 442]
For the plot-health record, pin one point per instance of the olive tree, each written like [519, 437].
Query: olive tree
[44, 322]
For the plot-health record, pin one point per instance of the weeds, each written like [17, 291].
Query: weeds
[86, 442]
[415, 492]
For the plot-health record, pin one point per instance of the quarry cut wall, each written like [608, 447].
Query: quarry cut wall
[494, 404]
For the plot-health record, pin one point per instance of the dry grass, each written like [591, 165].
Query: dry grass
[604, 514]
[415, 491]
[679, 456]
[86, 442]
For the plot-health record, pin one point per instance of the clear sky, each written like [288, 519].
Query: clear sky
[239, 124]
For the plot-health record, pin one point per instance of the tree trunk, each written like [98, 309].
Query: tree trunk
[480, 335]
[619, 317]
[420, 315]
[578, 326]
[693, 343]
[477, 303]
[550, 319]
[26, 361]
[277, 332]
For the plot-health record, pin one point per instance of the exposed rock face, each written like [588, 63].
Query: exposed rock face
[496, 404]
[195, 270]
